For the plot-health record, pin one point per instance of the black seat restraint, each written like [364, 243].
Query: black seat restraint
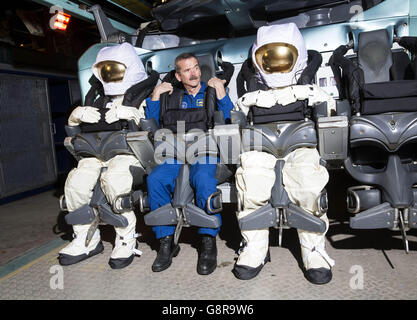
[195, 118]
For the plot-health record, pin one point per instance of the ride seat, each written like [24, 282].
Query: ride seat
[181, 211]
[381, 80]
[381, 86]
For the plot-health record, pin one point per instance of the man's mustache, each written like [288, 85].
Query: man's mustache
[193, 78]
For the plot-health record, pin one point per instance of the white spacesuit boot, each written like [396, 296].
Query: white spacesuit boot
[254, 181]
[126, 245]
[77, 251]
[254, 253]
[317, 262]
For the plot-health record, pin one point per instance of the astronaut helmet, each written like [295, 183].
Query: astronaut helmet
[279, 54]
[118, 68]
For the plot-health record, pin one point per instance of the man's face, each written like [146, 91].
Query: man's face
[189, 73]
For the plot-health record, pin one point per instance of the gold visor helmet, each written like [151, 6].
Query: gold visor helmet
[111, 71]
[276, 57]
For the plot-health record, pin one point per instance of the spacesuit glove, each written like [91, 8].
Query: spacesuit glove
[301, 92]
[284, 96]
[266, 99]
[249, 99]
[128, 113]
[260, 98]
[318, 95]
[122, 112]
[246, 101]
[111, 116]
[83, 114]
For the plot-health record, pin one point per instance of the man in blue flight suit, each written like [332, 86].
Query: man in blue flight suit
[161, 182]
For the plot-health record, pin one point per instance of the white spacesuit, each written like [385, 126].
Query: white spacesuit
[118, 68]
[279, 56]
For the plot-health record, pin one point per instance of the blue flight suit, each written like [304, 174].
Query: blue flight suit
[161, 181]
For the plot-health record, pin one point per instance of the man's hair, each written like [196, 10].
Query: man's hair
[183, 56]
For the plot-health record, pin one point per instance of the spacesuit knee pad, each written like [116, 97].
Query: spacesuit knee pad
[304, 179]
[117, 179]
[79, 186]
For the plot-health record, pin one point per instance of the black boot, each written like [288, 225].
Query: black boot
[319, 275]
[167, 250]
[207, 259]
[246, 272]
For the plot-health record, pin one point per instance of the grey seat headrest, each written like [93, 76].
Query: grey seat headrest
[374, 55]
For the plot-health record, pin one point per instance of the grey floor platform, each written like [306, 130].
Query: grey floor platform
[280, 279]
[29, 223]
[30, 271]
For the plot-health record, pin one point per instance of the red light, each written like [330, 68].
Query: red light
[61, 21]
[60, 26]
[63, 17]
